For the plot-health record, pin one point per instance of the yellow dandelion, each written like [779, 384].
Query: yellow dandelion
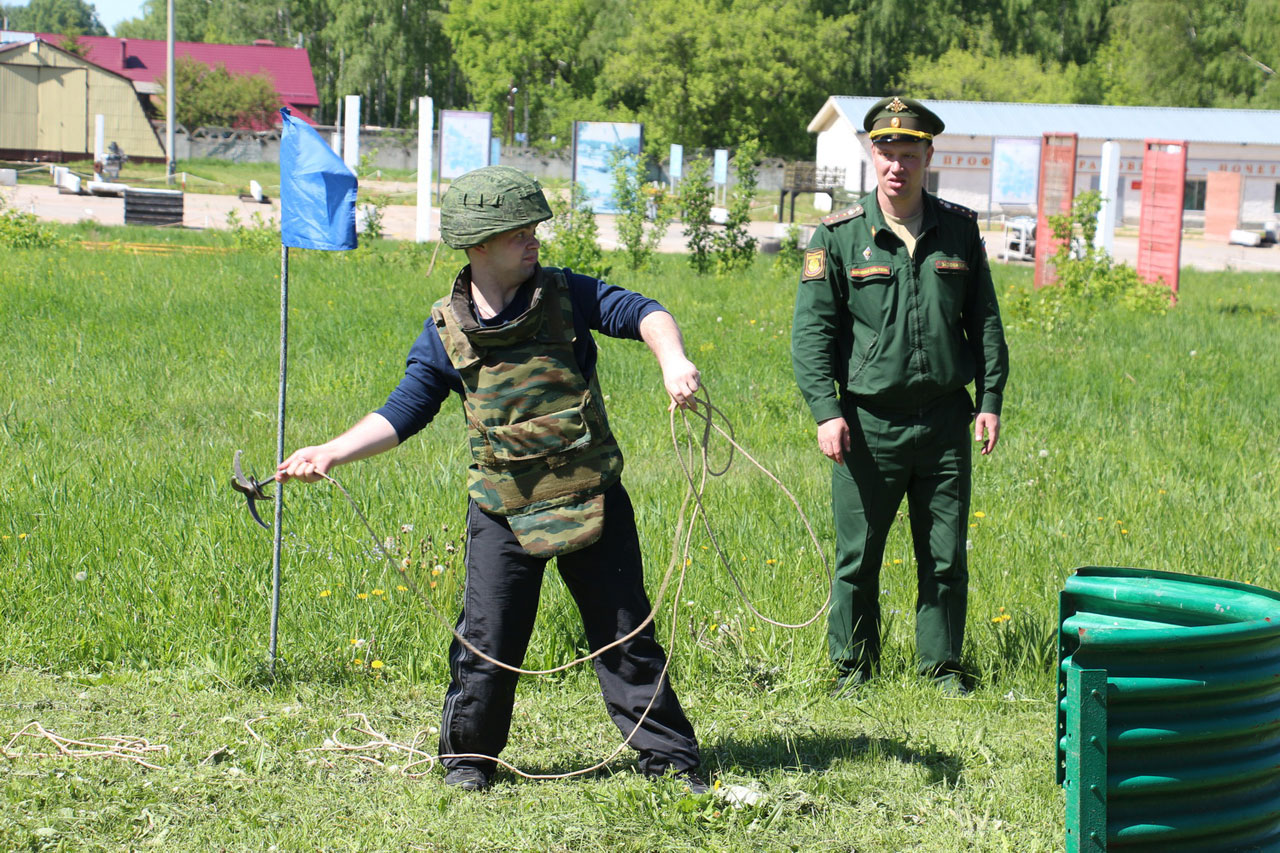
[770, 562]
[402, 588]
[688, 561]
[362, 595]
[752, 628]
[437, 570]
[713, 626]
[355, 642]
[358, 662]
[376, 664]
[973, 526]
[6, 536]
[979, 514]
[896, 562]
[753, 322]
[22, 536]
[433, 584]
[378, 592]
[1100, 518]
[1123, 531]
[1163, 492]
[704, 547]
[324, 593]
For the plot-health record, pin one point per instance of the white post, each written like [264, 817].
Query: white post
[351, 133]
[426, 127]
[1109, 186]
[99, 137]
[171, 166]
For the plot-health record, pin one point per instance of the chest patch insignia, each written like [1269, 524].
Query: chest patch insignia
[866, 253]
[951, 265]
[867, 272]
[815, 264]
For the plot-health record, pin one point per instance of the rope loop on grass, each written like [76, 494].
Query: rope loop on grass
[701, 410]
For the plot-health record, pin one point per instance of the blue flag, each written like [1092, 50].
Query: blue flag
[317, 191]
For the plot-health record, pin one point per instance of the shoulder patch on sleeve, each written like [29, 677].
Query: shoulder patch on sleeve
[815, 264]
[958, 208]
[849, 213]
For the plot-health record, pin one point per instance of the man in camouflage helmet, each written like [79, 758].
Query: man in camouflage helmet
[513, 339]
[895, 315]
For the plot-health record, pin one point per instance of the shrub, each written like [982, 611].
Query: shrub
[259, 235]
[695, 212]
[735, 247]
[20, 230]
[1088, 278]
[644, 213]
[571, 241]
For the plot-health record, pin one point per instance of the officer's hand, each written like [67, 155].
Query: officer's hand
[989, 424]
[682, 381]
[306, 464]
[833, 439]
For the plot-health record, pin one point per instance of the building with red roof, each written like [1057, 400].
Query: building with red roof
[143, 62]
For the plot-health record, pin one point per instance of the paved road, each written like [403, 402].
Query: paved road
[210, 211]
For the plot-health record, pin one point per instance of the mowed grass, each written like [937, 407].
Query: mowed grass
[136, 590]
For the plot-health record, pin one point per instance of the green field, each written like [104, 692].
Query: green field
[136, 589]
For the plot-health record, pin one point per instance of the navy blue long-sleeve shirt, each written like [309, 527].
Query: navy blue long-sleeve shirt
[429, 376]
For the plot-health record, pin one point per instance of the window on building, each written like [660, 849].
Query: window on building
[1276, 207]
[1193, 196]
[931, 182]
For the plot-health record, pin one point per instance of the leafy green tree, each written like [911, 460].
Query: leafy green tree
[66, 17]
[703, 74]
[550, 51]
[966, 75]
[571, 236]
[735, 247]
[385, 50]
[637, 205]
[1193, 53]
[695, 213]
[213, 96]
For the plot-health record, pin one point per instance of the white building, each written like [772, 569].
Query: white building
[1243, 141]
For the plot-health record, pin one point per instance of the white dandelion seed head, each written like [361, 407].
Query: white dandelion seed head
[81, 576]
[1044, 454]
[968, 544]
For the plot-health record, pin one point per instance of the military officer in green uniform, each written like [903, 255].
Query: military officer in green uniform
[514, 340]
[895, 316]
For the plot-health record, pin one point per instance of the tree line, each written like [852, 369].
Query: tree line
[715, 72]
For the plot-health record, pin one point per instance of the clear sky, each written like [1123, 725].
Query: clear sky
[112, 12]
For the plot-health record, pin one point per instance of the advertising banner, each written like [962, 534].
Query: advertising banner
[1057, 191]
[1164, 176]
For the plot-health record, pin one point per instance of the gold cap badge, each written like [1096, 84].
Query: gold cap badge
[896, 106]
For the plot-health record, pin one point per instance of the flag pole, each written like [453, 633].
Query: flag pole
[284, 366]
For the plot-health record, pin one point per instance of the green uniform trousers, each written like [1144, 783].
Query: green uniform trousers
[926, 456]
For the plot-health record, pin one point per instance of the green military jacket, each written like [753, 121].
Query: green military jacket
[879, 326]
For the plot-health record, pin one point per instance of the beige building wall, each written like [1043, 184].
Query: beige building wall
[49, 98]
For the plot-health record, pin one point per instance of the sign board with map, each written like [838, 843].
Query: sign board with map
[464, 142]
[594, 144]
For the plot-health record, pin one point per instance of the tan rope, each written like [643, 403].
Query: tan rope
[681, 542]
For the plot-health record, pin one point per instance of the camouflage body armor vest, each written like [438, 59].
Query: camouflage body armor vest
[542, 452]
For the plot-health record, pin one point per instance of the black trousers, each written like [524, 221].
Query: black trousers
[500, 602]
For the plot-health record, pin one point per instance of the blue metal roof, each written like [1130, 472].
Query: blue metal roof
[1090, 121]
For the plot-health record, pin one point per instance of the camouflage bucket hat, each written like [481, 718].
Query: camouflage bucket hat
[487, 201]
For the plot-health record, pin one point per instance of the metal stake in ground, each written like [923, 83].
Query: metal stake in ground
[280, 403]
